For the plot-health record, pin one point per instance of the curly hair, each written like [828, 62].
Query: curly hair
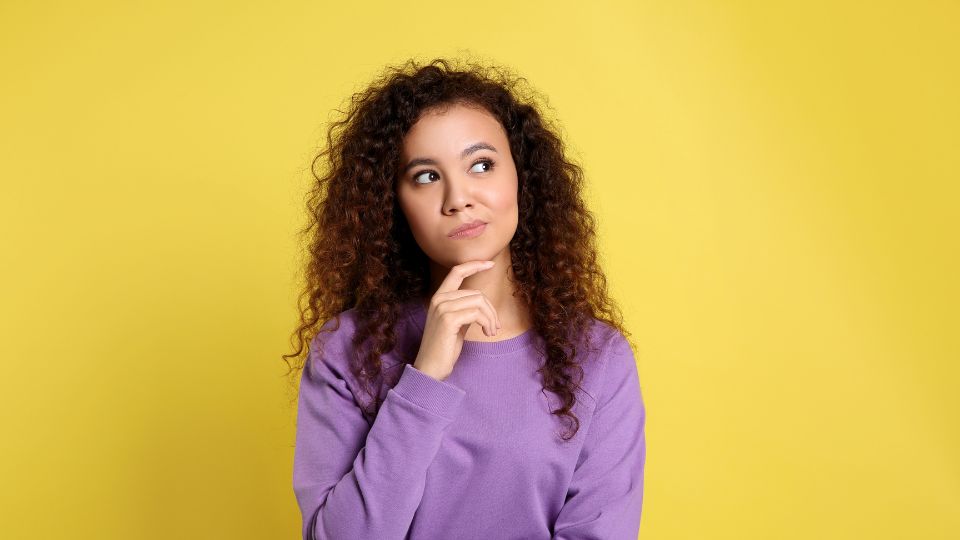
[362, 254]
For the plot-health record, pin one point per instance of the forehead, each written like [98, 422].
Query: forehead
[449, 130]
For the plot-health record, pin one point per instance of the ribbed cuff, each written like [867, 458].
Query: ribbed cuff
[438, 397]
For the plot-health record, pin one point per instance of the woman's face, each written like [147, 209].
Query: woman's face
[455, 168]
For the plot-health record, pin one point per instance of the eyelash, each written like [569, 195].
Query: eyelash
[490, 166]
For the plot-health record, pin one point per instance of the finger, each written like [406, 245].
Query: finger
[476, 300]
[440, 298]
[458, 273]
[473, 300]
[463, 318]
[493, 310]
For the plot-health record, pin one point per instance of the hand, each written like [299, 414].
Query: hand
[451, 312]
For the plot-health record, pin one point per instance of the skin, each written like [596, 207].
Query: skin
[439, 196]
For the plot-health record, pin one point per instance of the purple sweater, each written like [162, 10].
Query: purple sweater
[474, 456]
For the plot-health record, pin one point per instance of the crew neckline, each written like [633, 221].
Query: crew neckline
[418, 314]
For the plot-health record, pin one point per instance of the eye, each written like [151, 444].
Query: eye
[419, 174]
[487, 162]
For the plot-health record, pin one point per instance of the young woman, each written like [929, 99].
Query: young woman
[463, 317]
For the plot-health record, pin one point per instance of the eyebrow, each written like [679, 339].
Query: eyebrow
[466, 152]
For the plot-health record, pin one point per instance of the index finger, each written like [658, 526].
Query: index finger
[458, 273]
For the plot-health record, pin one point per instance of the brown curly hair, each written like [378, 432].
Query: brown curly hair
[362, 254]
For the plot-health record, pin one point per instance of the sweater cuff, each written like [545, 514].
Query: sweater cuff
[438, 397]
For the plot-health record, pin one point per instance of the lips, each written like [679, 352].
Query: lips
[467, 226]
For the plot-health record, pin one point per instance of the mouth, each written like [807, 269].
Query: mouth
[468, 230]
[469, 227]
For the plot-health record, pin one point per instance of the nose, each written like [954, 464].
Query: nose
[456, 195]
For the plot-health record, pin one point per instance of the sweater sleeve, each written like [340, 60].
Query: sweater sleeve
[354, 480]
[605, 495]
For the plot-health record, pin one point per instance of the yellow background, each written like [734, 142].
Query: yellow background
[776, 185]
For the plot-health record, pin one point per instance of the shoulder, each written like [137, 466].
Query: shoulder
[620, 380]
[610, 361]
[334, 344]
[605, 341]
[332, 341]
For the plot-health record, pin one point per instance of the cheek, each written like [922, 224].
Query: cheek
[416, 211]
[504, 200]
